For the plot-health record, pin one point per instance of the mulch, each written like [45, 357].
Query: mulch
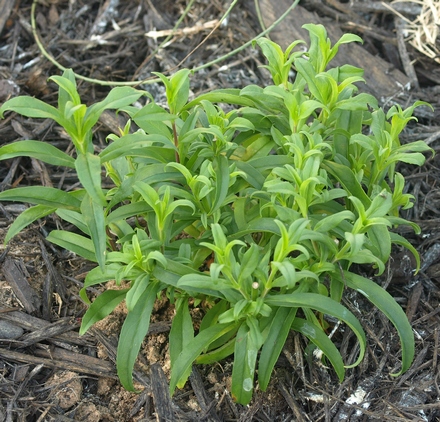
[50, 373]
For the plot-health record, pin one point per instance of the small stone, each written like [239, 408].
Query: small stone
[10, 331]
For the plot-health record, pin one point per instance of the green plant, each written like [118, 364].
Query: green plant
[256, 214]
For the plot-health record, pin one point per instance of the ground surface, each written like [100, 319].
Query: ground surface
[48, 372]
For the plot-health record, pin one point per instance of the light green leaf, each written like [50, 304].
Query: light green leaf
[67, 84]
[133, 332]
[307, 71]
[75, 218]
[39, 150]
[331, 221]
[139, 144]
[379, 236]
[228, 96]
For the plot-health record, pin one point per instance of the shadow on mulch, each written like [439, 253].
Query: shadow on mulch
[49, 373]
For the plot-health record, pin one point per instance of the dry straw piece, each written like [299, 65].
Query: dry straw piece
[423, 31]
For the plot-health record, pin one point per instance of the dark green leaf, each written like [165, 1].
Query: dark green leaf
[189, 355]
[101, 307]
[73, 242]
[88, 167]
[27, 217]
[320, 339]
[274, 343]
[133, 332]
[386, 304]
[50, 197]
[39, 150]
[93, 214]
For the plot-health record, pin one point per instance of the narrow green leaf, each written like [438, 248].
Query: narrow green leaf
[93, 214]
[39, 150]
[380, 298]
[181, 335]
[139, 144]
[243, 371]
[118, 97]
[102, 306]
[308, 72]
[315, 334]
[88, 167]
[67, 84]
[221, 181]
[331, 221]
[136, 290]
[217, 354]
[228, 96]
[50, 197]
[73, 242]
[325, 305]
[31, 107]
[274, 343]
[379, 236]
[188, 356]
[27, 217]
[133, 332]
[74, 217]
[400, 240]
[347, 179]
[126, 211]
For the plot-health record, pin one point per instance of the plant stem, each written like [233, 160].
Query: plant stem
[176, 142]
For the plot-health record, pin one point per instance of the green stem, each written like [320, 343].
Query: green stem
[176, 142]
[148, 80]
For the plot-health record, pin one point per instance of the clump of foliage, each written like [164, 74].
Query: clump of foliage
[256, 214]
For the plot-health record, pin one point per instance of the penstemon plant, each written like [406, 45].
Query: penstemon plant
[256, 215]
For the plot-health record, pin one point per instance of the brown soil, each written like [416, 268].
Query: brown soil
[49, 373]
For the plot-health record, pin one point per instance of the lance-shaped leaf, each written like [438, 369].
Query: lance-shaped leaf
[181, 333]
[133, 332]
[247, 344]
[188, 356]
[101, 307]
[50, 197]
[326, 306]
[39, 150]
[386, 304]
[118, 97]
[88, 167]
[274, 343]
[27, 217]
[73, 242]
[93, 214]
[316, 334]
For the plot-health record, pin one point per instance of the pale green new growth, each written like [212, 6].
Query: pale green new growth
[256, 215]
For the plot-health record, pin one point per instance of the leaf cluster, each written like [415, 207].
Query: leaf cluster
[255, 214]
